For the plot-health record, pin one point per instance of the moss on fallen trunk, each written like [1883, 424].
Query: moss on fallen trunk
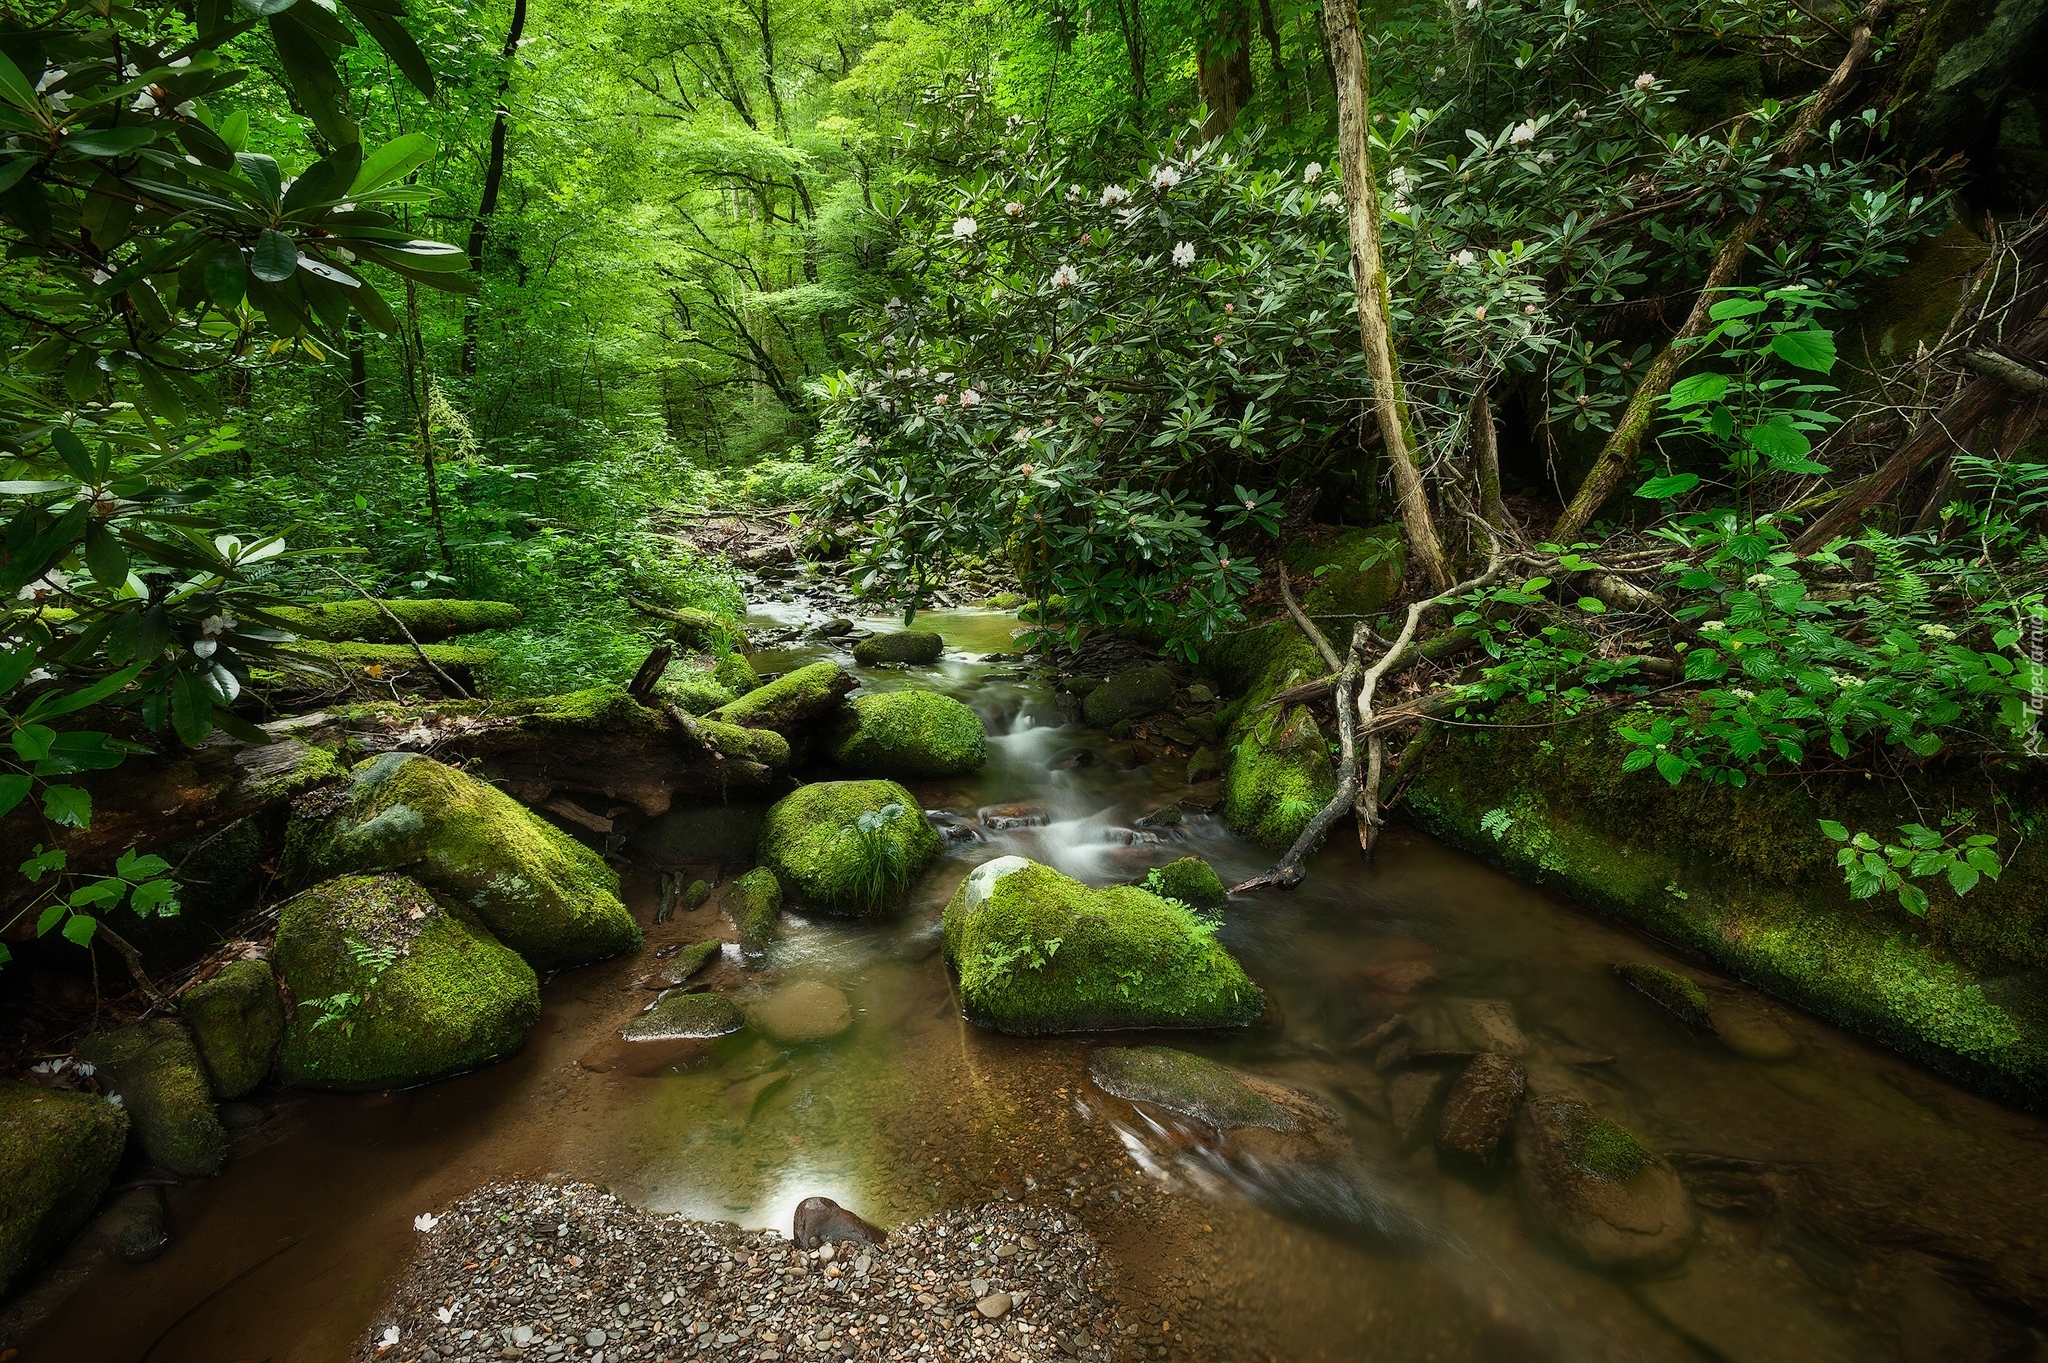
[363, 622]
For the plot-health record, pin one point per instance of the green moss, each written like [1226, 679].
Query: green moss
[453, 997]
[735, 673]
[1041, 953]
[58, 1152]
[1132, 693]
[755, 906]
[805, 842]
[1003, 601]
[904, 646]
[699, 688]
[156, 1071]
[686, 1015]
[1186, 1084]
[428, 621]
[1279, 778]
[1670, 990]
[908, 734]
[1191, 880]
[791, 701]
[541, 892]
[1602, 1148]
[707, 631]
[1346, 575]
[694, 957]
[752, 745]
[237, 1021]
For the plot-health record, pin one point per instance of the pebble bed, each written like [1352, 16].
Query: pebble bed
[546, 1272]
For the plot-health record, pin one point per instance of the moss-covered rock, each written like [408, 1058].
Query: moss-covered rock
[414, 985]
[904, 646]
[156, 1072]
[907, 734]
[1191, 880]
[1590, 1185]
[1279, 777]
[755, 906]
[1039, 952]
[237, 1021]
[805, 841]
[1967, 55]
[1681, 997]
[1132, 693]
[366, 623]
[1347, 574]
[791, 701]
[699, 689]
[58, 1151]
[679, 1016]
[453, 658]
[540, 892]
[1186, 1084]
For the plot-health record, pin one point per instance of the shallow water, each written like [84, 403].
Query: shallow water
[1854, 1206]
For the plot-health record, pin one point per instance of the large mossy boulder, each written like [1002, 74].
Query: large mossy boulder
[155, 1069]
[755, 906]
[538, 890]
[395, 986]
[903, 646]
[811, 842]
[1130, 694]
[365, 622]
[1039, 953]
[237, 1023]
[58, 1151]
[1351, 573]
[908, 734]
[1279, 777]
[791, 702]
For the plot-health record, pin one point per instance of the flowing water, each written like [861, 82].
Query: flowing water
[1854, 1207]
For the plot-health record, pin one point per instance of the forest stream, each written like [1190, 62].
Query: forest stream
[1852, 1206]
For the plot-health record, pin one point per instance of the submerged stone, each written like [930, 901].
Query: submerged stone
[1186, 1084]
[156, 1071]
[1039, 952]
[1679, 996]
[680, 1016]
[1590, 1184]
[811, 841]
[908, 734]
[1130, 694]
[904, 646]
[237, 1022]
[1481, 1107]
[58, 1151]
[805, 1011]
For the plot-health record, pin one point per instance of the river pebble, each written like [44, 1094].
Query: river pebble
[559, 1273]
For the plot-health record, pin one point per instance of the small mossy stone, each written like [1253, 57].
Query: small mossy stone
[908, 734]
[791, 701]
[904, 646]
[1674, 992]
[706, 631]
[452, 998]
[58, 1152]
[755, 906]
[1279, 778]
[1191, 880]
[735, 673]
[1003, 601]
[155, 1069]
[538, 890]
[1186, 1084]
[1203, 766]
[805, 841]
[693, 958]
[364, 622]
[237, 1022]
[1602, 1148]
[677, 1017]
[1130, 694]
[695, 896]
[1040, 953]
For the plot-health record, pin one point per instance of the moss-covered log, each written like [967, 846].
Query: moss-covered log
[365, 622]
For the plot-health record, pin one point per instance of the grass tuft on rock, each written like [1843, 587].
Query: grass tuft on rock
[811, 841]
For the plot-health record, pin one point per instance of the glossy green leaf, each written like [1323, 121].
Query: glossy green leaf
[1813, 350]
[79, 928]
[1670, 485]
[68, 805]
[226, 277]
[14, 788]
[1697, 390]
[392, 162]
[16, 88]
[110, 141]
[275, 258]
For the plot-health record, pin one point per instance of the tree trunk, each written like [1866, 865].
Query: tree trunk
[1130, 21]
[1223, 66]
[358, 397]
[1486, 460]
[1375, 310]
[494, 179]
[1271, 30]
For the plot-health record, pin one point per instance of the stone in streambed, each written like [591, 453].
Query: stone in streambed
[58, 1150]
[133, 1225]
[679, 1017]
[1004, 818]
[1039, 953]
[791, 702]
[907, 734]
[1753, 1034]
[1480, 1108]
[156, 1071]
[237, 1023]
[810, 843]
[1397, 977]
[692, 959]
[1673, 992]
[805, 1011]
[1590, 1184]
[1410, 1095]
[1191, 880]
[1186, 1084]
[821, 1221]
[1130, 694]
[1460, 1028]
[904, 646]
[754, 904]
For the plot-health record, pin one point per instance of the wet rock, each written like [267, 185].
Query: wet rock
[1039, 953]
[1744, 1305]
[754, 904]
[1410, 1096]
[57, 1152]
[951, 826]
[694, 897]
[237, 1023]
[415, 985]
[1187, 1084]
[133, 1225]
[907, 734]
[679, 1017]
[1480, 1108]
[156, 1071]
[1203, 766]
[994, 1306]
[820, 1221]
[806, 844]
[1676, 994]
[1003, 818]
[1379, 1034]
[1278, 777]
[836, 627]
[538, 890]
[1081, 686]
[1130, 694]
[1397, 977]
[1073, 758]
[1394, 1054]
[1166, 816]
[1753, 1034]
[1200, 694]
[1590, 1184]
[1458, 1028]
[904, 646]
[1191, 880]
[792, 702]
[805, 1011]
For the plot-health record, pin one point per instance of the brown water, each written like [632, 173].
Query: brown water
[1855, 1208]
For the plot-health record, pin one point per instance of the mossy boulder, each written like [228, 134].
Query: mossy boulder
[1346, 575]
[1279, 777]
[699, 689]
[437, 994]
[1191, 880]
[679, 1016]
[1040, 953]
[58, 1152]
[1590, 1185]
[903, 646]
[1670, 990]
[805, 842]
[755, 906]
[156, 1071]
[1132, 693]
[237, 1022]
[790, 702]
[706, 631]
[908, 734]
[542, 893]
[363, 622]
[1186, 1084]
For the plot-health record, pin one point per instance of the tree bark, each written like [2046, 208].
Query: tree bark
[1375, 310]
[1486, 461]
[1223, 66]
[1271, 31]
[494, 179]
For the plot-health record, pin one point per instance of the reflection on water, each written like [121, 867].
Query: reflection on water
[1854, 1208]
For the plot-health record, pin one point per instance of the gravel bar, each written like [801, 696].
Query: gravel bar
[546, 1272]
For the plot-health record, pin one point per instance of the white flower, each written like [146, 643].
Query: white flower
[1847, 682]
[1184, 255]
[50, 78]
[423, 1223]
[345, 206]
[1112, 195]
[1439, 73]
[1165, 178]
[56, 580]
[186, 109]
[1645, 81]
[143, 101]
[1713, 626]
[217, 624]
[1524, 132]
[204, 648]
[1479, 313]
[1464, 260]
[345, 253]
[1941, 632]
[1074, 191]
[970, 398]
[1759, 580]
[963, 228]
[861, 442]
[1312, 172]
[388, 1339]
[59, 100]
[1014, 209]
[87, 1070]
[130, 71]
[1023, 434]
[1471, 5]
[1740, 694]
[1331, 200]
[1066, 276]
[115, 1099]
[1544, 158]
[100, 276]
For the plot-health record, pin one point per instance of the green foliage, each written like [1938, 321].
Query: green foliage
[877, 869]
[338, 1009]
[1960, 857]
